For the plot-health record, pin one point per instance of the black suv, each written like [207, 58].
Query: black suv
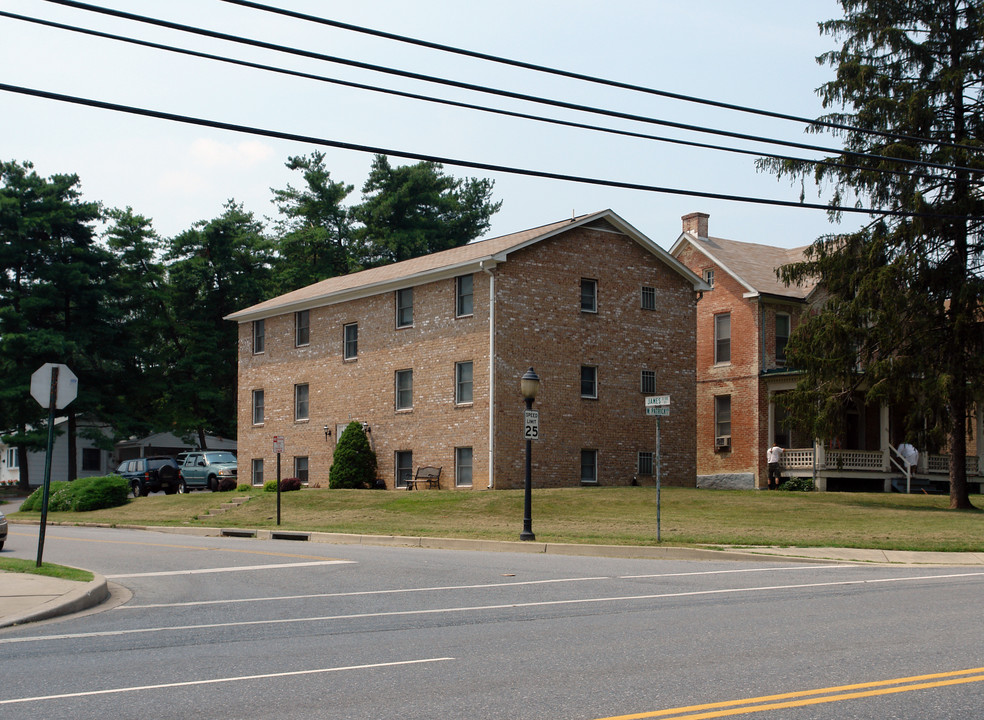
[150, 474]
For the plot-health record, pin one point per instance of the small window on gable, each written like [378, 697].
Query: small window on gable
[648, 298]
[709, 277]
[302, 328]
[464, 295]
[782, 336]
[259, 337]
[404, 308]
[589, 295]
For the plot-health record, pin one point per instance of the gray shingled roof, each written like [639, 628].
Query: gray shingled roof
[754, 265]
[437, 265]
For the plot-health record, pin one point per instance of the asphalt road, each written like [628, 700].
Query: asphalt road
[241, 628]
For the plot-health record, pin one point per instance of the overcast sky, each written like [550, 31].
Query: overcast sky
[758, 53]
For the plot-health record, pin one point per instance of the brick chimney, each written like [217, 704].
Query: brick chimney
[696, 224]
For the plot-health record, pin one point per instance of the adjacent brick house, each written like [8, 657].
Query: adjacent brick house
[428, 355]
[743, 323]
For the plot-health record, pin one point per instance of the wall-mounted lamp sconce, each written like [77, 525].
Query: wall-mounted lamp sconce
[327, 433]
[365, 428]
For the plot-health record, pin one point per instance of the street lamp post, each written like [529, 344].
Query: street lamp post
[529, 384]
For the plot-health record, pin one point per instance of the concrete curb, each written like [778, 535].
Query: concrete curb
[72, 600]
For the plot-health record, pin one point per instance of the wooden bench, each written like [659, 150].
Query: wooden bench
[429, 475]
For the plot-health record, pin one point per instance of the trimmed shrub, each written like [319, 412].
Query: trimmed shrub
[286, 485]
[82, 495]
[798, 485]
[354, 462]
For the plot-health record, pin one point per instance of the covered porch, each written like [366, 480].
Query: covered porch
[865, 458]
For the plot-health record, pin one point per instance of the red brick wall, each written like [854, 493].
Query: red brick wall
[539, 323]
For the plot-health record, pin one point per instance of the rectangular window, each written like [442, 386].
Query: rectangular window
[589, 381]
[301, 469]
[782, 336]
[465, 292]
[404, 389]
[404, 308]
[91, 459]
[709, 277]
[257, 471]
[589, 295]
[648, 298]
[589, 466]
[463, 467]
[302, 328]
[463, 382]
[722, 416]
[301, 402]
[351, 342]
[722, 338]
[404, 467]
[257, 407]
[649, 382]
[259, 336]
[645, 464]
[13, 459]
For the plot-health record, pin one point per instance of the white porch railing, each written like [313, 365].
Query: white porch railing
[866, 461]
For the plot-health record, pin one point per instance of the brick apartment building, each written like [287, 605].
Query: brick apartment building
[428, 355]
[743, 324]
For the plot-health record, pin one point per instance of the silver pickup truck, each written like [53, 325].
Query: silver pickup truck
[205, 470]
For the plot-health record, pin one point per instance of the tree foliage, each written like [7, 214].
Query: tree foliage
[901, 317]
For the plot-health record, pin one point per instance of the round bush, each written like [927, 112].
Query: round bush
[354, 462]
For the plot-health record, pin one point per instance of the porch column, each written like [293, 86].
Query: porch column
[885, 440]
[770, 429]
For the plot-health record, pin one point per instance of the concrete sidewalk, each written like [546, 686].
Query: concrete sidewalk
[28, 598]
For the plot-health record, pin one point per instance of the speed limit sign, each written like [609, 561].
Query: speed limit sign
[531, 423]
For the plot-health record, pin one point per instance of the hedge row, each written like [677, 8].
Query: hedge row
[81, 495]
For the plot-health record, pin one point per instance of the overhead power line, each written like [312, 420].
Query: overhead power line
[588, 78]
[493, 91]
[487, 167]
[430, 99]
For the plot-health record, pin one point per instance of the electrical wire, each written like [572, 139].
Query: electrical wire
[487, 167]
[441, 101]
[484, 89]
[588, 78]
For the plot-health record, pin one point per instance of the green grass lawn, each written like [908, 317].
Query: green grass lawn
[612, 516]
[46, 569]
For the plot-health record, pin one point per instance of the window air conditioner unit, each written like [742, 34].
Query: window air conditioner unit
[722, 443]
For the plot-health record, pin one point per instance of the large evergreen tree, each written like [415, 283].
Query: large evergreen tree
[53, 288]
[413, 210]
[315, 229]
[217, 267]
[904, 295]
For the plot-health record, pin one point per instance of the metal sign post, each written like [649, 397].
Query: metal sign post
[658, 406]
[278, 447]
[53, 386]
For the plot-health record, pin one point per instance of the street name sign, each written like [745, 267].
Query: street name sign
[659, 411]
[657, 401]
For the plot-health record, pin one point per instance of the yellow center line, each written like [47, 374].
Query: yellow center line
[832, 694]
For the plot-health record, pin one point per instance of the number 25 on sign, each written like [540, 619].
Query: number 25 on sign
[531, 424]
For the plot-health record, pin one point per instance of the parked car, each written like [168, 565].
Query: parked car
[3, 530]
[206, 469]
[150, 474]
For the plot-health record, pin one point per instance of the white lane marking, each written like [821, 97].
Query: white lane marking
[264, 676]
[445, 588]
[479, 608]
[395, 591]
[239, 568]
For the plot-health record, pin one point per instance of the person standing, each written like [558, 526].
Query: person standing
[773, 456]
